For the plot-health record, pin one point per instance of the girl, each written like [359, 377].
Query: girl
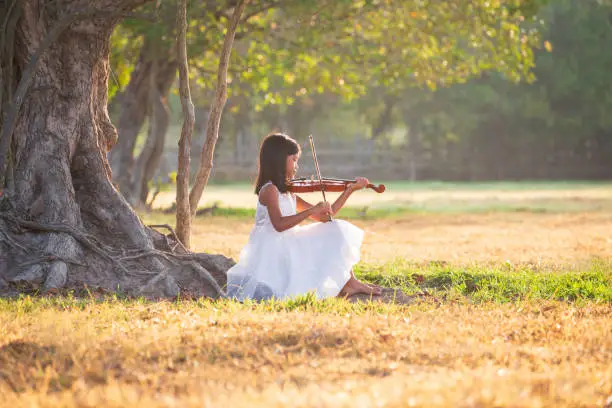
[283, 259]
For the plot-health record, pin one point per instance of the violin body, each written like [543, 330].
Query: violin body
[304, 185]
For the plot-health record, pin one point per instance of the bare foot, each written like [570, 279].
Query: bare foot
[353, 286]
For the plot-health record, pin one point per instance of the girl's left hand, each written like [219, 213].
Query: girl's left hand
[360, 182]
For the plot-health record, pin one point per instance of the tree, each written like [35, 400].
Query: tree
[62, 222]
[556, 127]
[152, 75]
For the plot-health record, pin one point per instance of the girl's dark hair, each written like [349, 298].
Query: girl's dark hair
[275, 149]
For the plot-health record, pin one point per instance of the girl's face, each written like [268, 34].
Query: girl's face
[292, 165]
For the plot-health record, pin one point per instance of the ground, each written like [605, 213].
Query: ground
[522, 319]
[550, 223]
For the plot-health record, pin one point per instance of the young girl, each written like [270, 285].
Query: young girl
[283, 259]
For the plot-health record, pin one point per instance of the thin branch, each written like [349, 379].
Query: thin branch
[216, 110]
[183, 212]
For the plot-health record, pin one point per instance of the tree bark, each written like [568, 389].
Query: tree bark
[183, 213]
[216, 110]
[62, 223]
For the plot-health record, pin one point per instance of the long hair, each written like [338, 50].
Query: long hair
[273, 153]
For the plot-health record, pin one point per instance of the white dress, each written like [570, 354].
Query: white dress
[315, 258]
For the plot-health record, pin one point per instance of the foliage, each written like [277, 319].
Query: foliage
[554, 125]
[303, 48]
[561, 118]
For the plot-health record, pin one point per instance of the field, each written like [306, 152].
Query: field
[521, 278]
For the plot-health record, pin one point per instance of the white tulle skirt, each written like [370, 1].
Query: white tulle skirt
[312, 258]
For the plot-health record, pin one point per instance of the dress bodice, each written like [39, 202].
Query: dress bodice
[286, 202]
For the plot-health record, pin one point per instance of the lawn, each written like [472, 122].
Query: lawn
[519, 314]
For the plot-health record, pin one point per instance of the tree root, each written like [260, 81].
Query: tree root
[29, 274]
[174, 236]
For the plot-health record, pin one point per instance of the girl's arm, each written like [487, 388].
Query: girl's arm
[339, 203]
[360, 182]
[269, 198]
[302, 205]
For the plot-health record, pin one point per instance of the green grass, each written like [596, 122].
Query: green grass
[27, 304]
[498, 284]
[495, 185]
[391, 211]
[347, 212]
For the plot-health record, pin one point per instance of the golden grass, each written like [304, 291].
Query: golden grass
[224, 354]
[576, 232]
[227, 355]
[561, 240]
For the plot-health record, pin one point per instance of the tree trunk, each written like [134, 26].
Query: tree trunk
[137, 190]
[62, 222]
[297, 117]
[384, 120]
[155, 65]
[134, 109]
[246, 146]
[216, 110]
[413, 144]
[243, 140]
[151, 155]
[183, 213]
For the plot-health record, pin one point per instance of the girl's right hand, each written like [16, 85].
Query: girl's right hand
[322, 209]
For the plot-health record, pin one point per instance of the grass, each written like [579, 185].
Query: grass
[378, 212]
[435, 197]
[495, 283]
[520, 316]
[69, 352]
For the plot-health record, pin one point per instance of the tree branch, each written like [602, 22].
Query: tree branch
[216, 110]
[183, 212]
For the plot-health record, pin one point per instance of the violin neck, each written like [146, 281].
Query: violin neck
[326, 179]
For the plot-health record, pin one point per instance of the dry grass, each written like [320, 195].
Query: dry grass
[562, 240]
[65, 352]
[225, 354]
[540, 224]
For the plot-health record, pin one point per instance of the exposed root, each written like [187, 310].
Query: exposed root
[174, 236]
[31, 267]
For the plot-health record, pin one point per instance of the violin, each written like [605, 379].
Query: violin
[305, 185]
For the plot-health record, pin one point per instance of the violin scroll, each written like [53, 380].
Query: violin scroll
[379, 188]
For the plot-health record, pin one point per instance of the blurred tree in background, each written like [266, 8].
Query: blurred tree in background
[453, 90]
